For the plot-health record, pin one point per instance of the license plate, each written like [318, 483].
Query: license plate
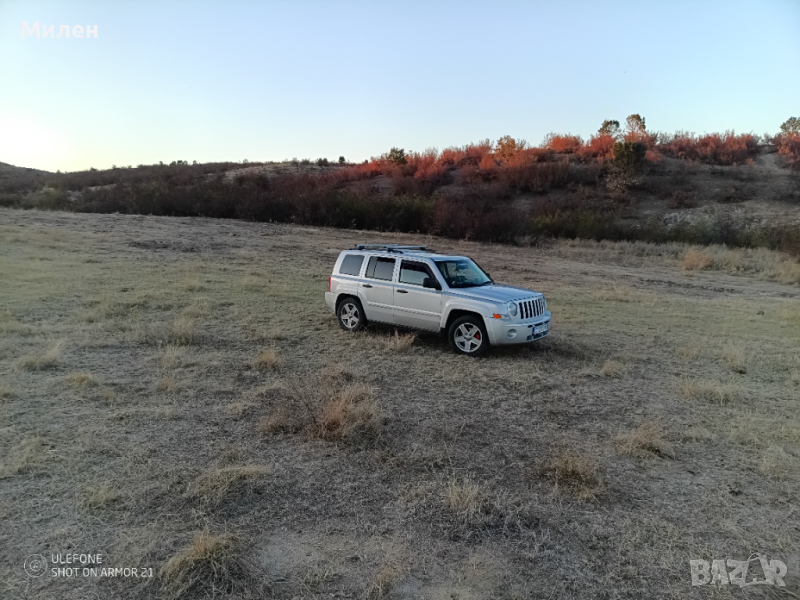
[541, 328]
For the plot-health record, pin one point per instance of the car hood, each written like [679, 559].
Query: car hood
[495, 292]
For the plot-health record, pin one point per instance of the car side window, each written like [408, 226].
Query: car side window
[351, 265]
[414, 273]
[380, 268]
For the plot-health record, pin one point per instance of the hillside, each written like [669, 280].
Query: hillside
[736, 193]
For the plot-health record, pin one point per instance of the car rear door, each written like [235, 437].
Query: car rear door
[415, 305]
[378, 289]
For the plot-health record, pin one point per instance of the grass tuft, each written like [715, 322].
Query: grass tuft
[45, 360]
[214, 484]
[646, 440]
[779, 464]
[94, 497]
[712, 391]
[268, 359]
[400, 343]
[346, 414]
[575, 471]
[80, 379]
[688, 353]
[183, 331]
[169, 385]
[697, 433]
[325, 406]
[733, 356]
[171, 356]
[381, 584]
[612, 368]
[464, 497]
[22, 457]
[695, 260]
[211, 564]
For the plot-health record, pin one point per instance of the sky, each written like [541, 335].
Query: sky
[236, 80]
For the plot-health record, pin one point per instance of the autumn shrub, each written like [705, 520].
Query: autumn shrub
[788, 145]
[652, 156]
[487, 162]
[599, 147]
[507, 147]
[536, 177]
[718, 149]
[528, 156]
[563, 144]
[485, 170]
[469, 155]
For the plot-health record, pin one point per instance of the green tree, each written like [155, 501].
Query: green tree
[626, 169]
[609, 127]
[791, 125]
[397, 156]
[341, 160]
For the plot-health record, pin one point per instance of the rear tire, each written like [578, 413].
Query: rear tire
[350, 314]
[468, 336]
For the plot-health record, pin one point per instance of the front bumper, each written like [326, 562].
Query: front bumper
[503, 332]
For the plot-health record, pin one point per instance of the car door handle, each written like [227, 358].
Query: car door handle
[402, 291]
[365, 285]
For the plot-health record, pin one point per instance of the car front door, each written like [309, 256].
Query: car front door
[378, 289]
[416, 305]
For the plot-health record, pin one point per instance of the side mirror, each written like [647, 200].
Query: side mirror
[431, 283]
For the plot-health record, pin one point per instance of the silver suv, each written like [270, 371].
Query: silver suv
[413, 287]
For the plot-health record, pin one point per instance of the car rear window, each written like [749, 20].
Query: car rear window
[351, 265]
[380, 268]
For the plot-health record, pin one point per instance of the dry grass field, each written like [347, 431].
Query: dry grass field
[175, 395]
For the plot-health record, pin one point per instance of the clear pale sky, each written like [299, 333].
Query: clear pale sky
[213, 81]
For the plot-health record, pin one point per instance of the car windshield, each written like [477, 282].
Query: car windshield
[462, 272]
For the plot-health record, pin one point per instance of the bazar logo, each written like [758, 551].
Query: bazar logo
[735, 572]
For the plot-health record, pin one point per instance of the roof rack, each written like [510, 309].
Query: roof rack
[391, 248]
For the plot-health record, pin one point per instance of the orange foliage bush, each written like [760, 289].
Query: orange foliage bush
[528, 156]
[645, 138]
[599, 146]
[563, 144]
[470, 154]
[487, 162]
[720, 149]
[788, 145]
[652, 156]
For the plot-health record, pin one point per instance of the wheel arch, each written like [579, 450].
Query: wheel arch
[457, 313]
[343, 296]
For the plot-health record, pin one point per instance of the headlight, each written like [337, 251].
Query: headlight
[512, 309]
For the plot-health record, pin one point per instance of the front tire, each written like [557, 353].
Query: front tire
[351, 315]
[468, 336]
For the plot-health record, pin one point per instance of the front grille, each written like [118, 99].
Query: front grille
[531, 308]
